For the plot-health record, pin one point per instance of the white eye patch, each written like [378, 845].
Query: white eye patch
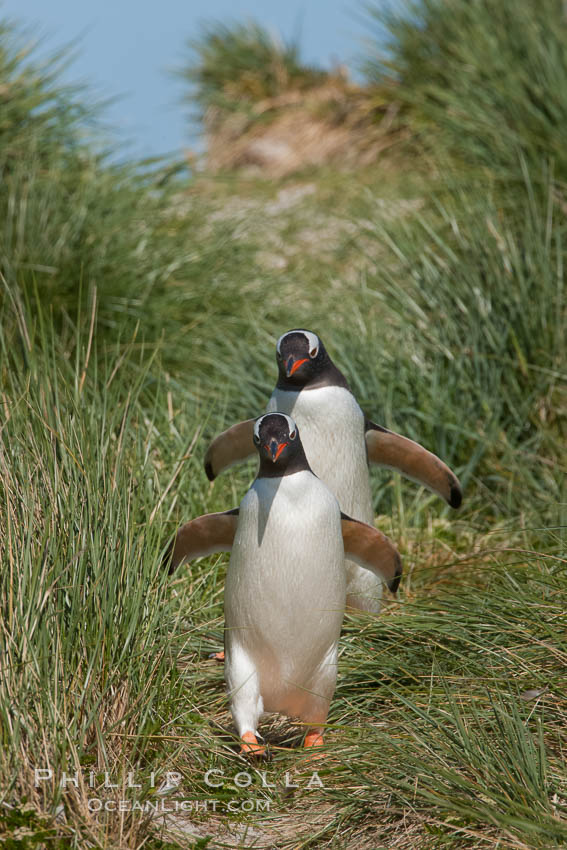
[292, 427]
[312, 341]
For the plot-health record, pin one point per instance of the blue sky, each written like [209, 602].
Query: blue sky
[125, 49]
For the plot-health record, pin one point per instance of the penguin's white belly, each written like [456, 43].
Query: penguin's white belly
[331, 427]
[285, 590]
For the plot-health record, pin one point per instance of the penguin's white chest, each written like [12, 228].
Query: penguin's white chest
[331, 427]
[285, 586]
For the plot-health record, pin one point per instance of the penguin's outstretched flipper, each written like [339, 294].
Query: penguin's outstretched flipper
[372, 550]
[202, 536]
[386, 448]
[230, 447]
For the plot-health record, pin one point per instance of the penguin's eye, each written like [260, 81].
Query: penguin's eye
[292, 434]
[313, 352]
[278, 355]
[257, 439]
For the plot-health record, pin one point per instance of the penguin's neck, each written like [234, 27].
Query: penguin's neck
[327, 375]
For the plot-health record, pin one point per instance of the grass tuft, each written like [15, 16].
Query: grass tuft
[238, 64]
[484, 82]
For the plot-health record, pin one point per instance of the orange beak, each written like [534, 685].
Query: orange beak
[293, 365]
[275, 449]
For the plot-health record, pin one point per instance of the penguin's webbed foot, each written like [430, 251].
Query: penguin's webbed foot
[313, 742]
[313, 739]
[217, 656]
[250, 746]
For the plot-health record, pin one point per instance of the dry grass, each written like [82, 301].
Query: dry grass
[335, 123]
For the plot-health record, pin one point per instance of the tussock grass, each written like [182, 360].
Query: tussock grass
[85, 626]
[483, 81]
[236, 65]
[37, 109]
[457, 293]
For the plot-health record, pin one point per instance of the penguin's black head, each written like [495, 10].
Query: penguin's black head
[298, 354]
[303, 361]
[277, 440]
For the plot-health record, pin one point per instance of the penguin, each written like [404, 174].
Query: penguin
[285, 589]
[339, 441]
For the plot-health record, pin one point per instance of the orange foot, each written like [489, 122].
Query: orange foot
[250, 745]
[313, 739]
[218, 656]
